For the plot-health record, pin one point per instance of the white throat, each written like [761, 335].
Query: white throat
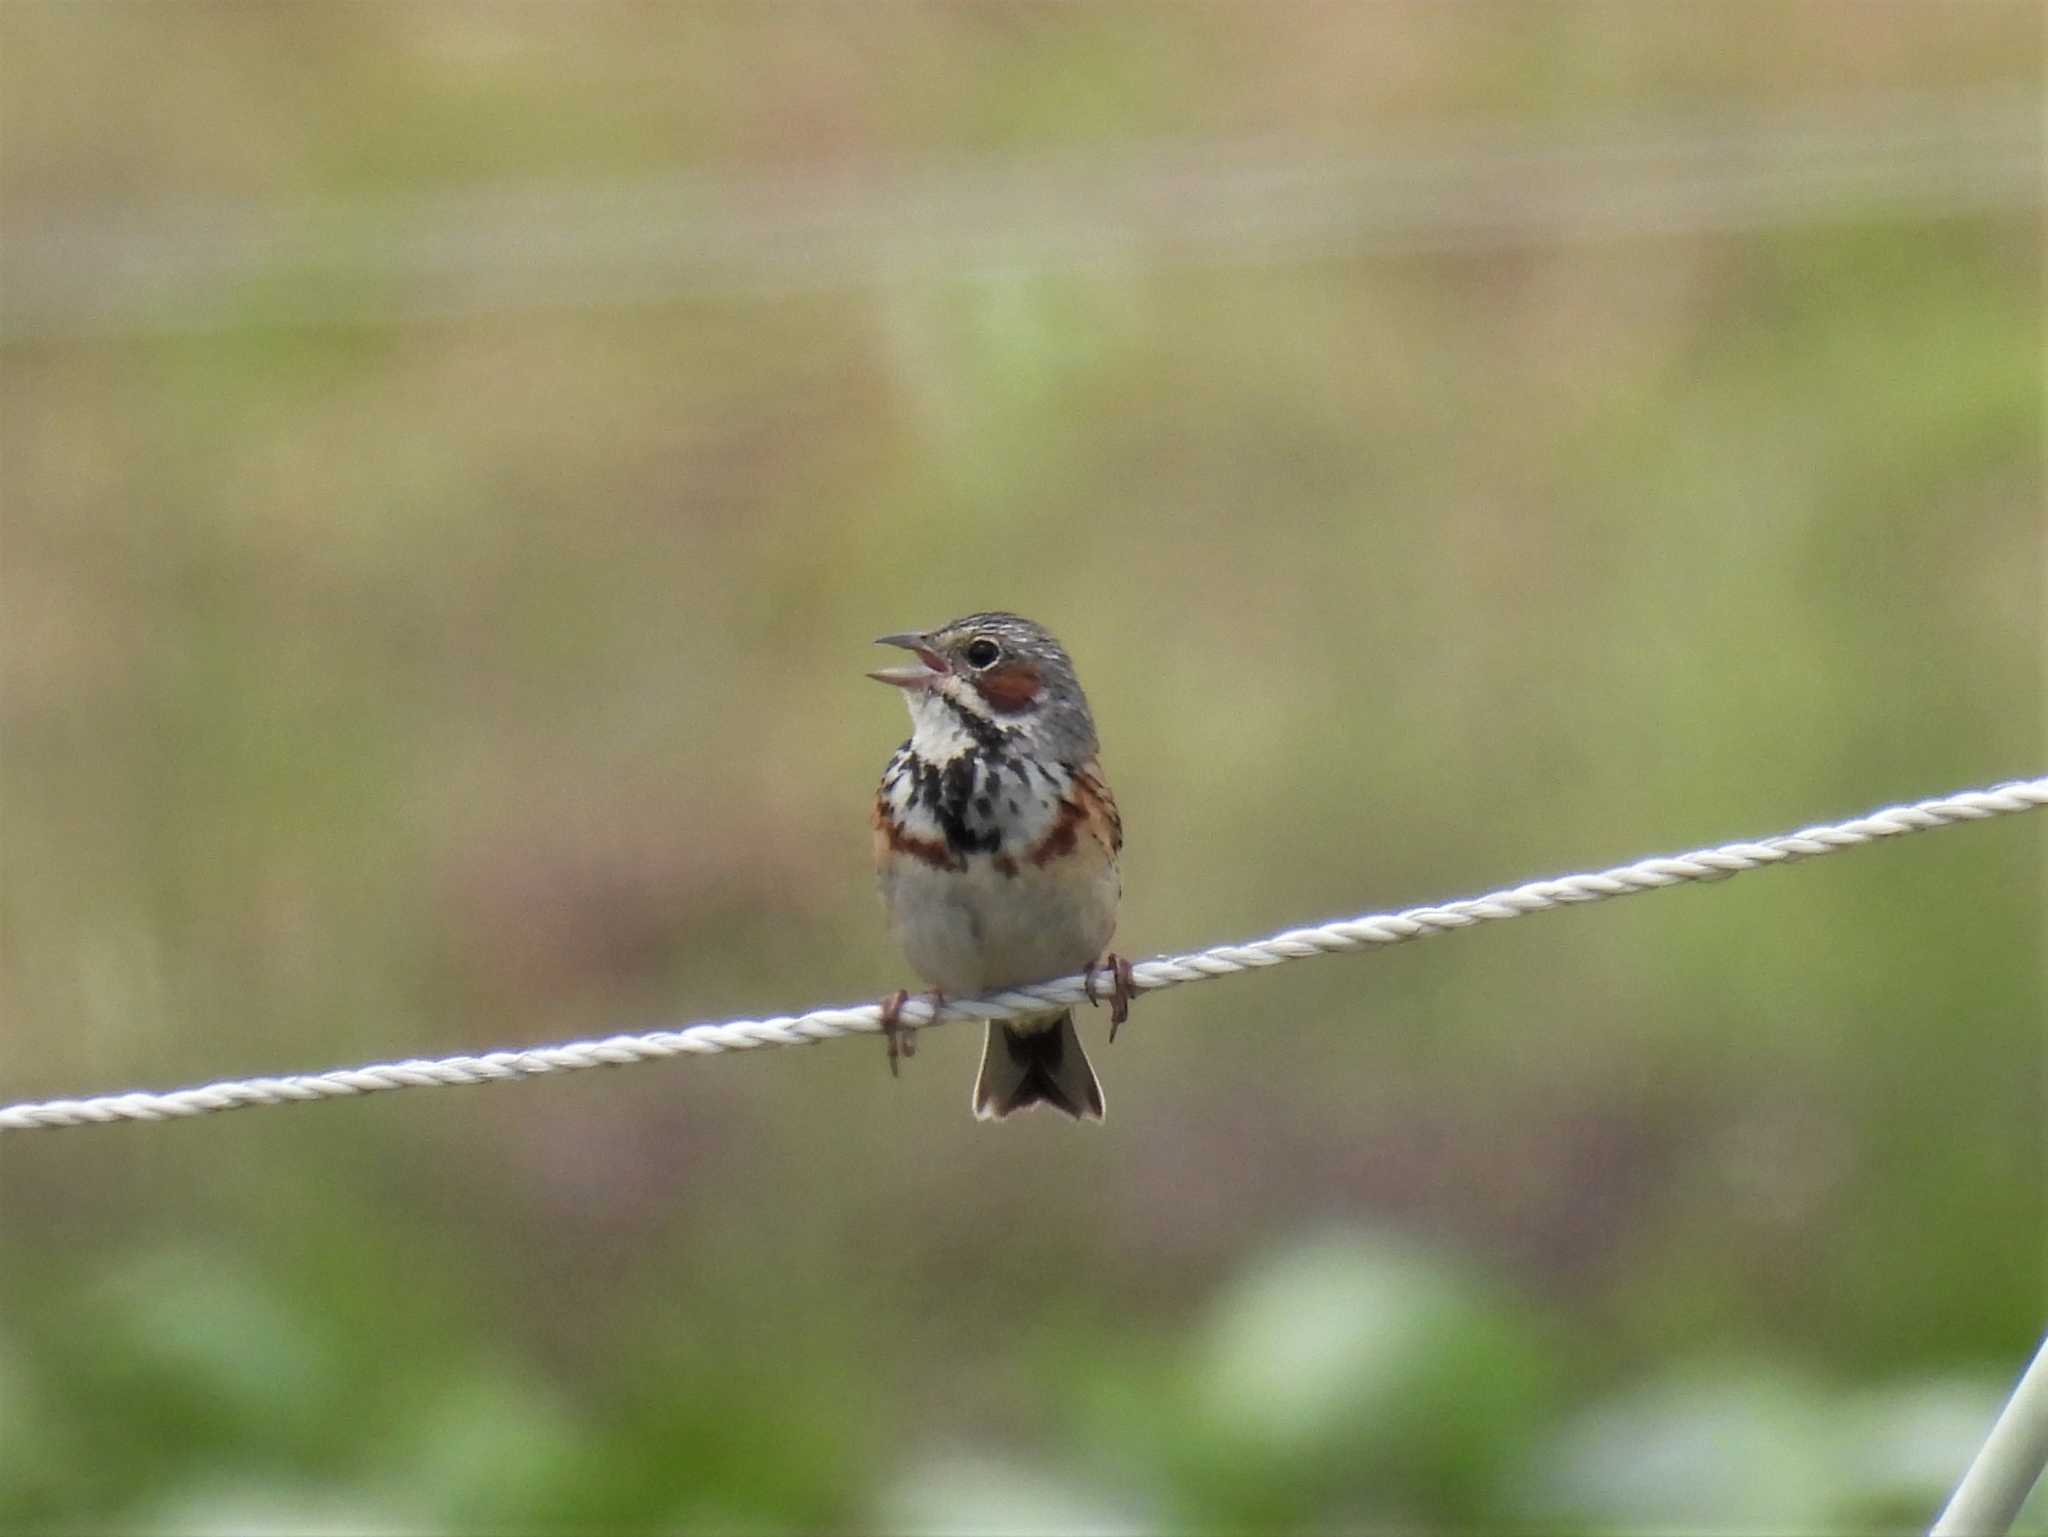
[936, 732]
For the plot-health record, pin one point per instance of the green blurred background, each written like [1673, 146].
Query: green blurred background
[455, 457]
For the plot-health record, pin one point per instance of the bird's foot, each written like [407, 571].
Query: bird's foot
[902, 1038]
[1122, 988]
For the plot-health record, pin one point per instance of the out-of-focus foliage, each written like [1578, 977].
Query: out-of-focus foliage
[378, 688]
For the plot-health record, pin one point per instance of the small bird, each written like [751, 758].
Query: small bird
[996, 841]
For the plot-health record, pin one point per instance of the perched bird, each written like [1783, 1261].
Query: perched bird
[996, 841]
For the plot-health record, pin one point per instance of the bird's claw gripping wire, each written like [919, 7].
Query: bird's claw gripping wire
[1123, 987]
[902, 1038]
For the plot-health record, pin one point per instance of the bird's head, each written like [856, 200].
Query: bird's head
[991, 675]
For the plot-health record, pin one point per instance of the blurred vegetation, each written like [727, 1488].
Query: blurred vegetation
[389, 689]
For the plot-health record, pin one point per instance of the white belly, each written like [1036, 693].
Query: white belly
[969, 931]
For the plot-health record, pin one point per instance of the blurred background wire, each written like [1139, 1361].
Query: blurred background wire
[1452, 188]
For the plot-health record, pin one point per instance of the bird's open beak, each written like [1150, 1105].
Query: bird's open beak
[929, 669]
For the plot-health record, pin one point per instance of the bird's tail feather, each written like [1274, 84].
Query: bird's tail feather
[1036, 1062]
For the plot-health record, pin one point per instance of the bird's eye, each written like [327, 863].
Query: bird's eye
[982, 652]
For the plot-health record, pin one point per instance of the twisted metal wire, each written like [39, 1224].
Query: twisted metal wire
[1147, 976]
